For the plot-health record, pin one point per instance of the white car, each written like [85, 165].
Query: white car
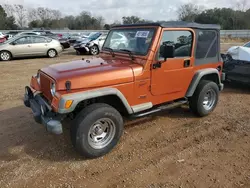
[2, 35]
[119, 41]
[247, 45]
[92, 44]
[241, 53]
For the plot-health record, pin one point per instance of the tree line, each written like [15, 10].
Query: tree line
[227, 18]
[13, 17]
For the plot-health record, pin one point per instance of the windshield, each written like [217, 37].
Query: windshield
[136, 40]
[247, 45]
[94, 36]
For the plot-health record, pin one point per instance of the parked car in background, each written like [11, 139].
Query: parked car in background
[63, 41]
[237, 63]
[73, 37]
[3, 37]
[91, 44]
[85, 34]
[247, 45]
[47, 33]
[26, 33]
[11, 34]
[119, 41]
[27, 45]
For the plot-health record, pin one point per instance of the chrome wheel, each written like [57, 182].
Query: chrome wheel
[101, 133]
[52, 53]
[209, 99]
[5, 56]
[94, 50]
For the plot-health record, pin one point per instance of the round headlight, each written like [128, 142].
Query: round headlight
[53, 89]
[38, 78]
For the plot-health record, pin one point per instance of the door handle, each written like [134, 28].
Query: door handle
[186, 62]
[29, 45]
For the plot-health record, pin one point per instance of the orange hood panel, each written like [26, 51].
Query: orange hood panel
[91, 73]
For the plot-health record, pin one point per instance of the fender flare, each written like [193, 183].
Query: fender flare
[90, 94]
[198, 76]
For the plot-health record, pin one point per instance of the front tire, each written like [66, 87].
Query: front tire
[96, 130]
[94, 50]
[205, 98]
[5, 56]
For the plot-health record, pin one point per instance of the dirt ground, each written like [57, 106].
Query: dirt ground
[171, 149]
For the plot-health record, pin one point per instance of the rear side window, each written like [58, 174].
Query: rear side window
[39, 40]
[207, 44]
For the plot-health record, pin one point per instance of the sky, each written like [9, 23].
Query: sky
[113, 10]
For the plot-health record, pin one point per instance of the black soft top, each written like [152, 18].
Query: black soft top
[175, 24]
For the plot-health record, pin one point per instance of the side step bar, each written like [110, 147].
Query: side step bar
[160, 108]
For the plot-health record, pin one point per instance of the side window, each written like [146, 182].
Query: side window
[247, 45]
[24, 40]
[207, 44]
[39, 40]
[182, 41]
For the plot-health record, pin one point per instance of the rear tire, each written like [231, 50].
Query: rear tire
[205, 98]
[52, 53]
[96, 130]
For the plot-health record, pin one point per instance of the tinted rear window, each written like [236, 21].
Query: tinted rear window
[207, 45]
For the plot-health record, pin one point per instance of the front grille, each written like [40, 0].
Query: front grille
[46, 82]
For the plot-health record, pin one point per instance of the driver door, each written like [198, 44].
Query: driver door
[175, 74]
[22, 46]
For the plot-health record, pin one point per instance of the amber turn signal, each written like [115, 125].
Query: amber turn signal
[68, 104]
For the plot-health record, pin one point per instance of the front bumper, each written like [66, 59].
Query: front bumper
[42, 112]
[82, 48]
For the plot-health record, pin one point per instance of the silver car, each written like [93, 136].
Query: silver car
[92, 44]
[27, 46]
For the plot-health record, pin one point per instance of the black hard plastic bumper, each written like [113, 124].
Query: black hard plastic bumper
[42, 112]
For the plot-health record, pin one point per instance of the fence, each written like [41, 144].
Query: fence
[224, 33]
[235, 33]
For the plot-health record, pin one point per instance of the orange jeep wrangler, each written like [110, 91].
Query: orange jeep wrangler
[142, 69]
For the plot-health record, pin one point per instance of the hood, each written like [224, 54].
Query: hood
[82, 41]
[86, 40]
[91, 73]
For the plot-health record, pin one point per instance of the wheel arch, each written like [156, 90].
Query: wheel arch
[52, 49]
[111, 96]
[204, 74]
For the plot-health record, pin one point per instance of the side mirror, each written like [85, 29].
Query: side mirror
[14, 43]
[167, 51]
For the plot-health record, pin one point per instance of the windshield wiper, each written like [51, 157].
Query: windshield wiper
[129, 52]
[111, 51]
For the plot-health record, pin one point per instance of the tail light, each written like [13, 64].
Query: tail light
[59, 35]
